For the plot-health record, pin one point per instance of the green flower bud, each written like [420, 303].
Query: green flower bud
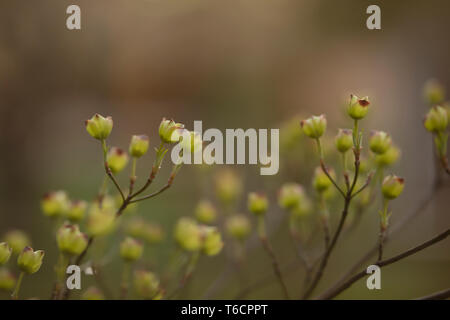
[433, 92]
[191, 142]
[101, 220]
[169, 131]
[117, 159]
[5, 252]
[212, 240]
[388, 158]
[17, 240]
[92, 293]
[228, 186]
[146, 284]
[379, 142]
[187, 234]
[205, 212]
[436, 119]
[315, 126]
[257, 203]
[364, 165]
[77, 210]
[358, 107]
[446, 106]
[71, 240]
[392, 186]
[7, 280]
[138, 146]
[344, 140]
[321, 182]
[55, 204]
[303, 208]
[150, 232]
[131, 249]
[290, 195]
[99, 127]
[238, 226]
[30, 261]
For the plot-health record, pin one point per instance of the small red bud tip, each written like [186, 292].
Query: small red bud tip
[363, 103]
[119, 151]
[401, 180]
[27, 249]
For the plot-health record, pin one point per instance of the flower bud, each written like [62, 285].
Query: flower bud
[436, 119]
[150, 232]
[131, 249]
[228, 186]
[146, 284]
[5, 252]
[358, 107]
[101, 220]
[17, 240]
[290, 195]
[388, 158]
[92, 293]
[433, 92]
[212, 240]
[379, 142]
[205, 212]
[238, 226]
[191, 142]
[138, 146]
[344, 140]
[99, 127]
[169, 131]
[321, 182]
[71, 240]
[392, 186]
[117, 159]
[30, 261]
[187, 234]
[303, 208]
[7, 280]
[315, 126]
[257, 203]
[77, 210]
[55, 204]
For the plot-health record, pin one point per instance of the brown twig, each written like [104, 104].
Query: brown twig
[332, 293]
[440, 295]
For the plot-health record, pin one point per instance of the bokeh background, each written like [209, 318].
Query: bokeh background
[232, 64]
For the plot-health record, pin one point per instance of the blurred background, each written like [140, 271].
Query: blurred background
[231, 64]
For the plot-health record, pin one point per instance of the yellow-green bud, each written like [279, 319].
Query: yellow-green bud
[17, 240]
[379, 142]
[290, 195]
[191, 141]
[5, 252]
[101, 221]
[392, 186]
[55, 204]
[7, 280]
[321, 182]
[138, 146]
[344, 140]
[238, 226]
[117, 159]
[30, 261]
[433, 92]
[205, 212]
[187, 234]
[146, 284]
[138, 228]
[77, 210]
[388, 158]
[358, 107]
[436, 119]
[303, 208]
[71, 240]
[131, 249]
[315, 126]
[99, 127]
[92, 293]
[212, 240]
[257, 203]
[228, 186]
[446, 106]
[169, 131]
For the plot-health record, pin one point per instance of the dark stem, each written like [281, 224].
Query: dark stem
[440, 295]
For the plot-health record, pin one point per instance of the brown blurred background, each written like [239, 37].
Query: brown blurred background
[231, 64]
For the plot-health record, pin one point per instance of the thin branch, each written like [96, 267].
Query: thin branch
[440, 295]
[331, 294]
[325, 170]
[113, 179]
[366, 184]
[154, 194]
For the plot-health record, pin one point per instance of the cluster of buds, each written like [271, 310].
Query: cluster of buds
[71, 240]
